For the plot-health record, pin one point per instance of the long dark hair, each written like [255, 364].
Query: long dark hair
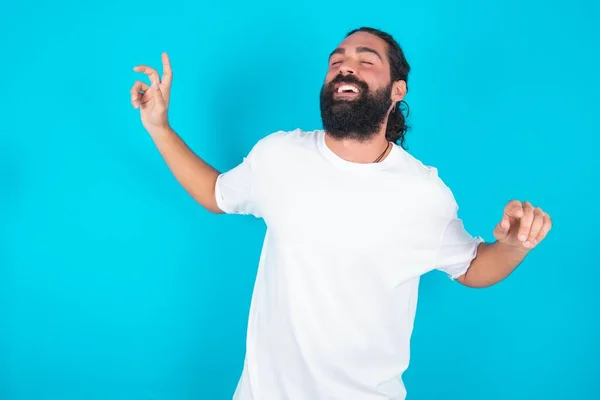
[399, 69]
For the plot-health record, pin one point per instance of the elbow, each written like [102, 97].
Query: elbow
[214, 210]
[470, 281]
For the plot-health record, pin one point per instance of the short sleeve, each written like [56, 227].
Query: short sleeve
[234, 189]
[458, 249]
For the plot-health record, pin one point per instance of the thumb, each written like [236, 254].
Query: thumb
[158, 97]
[501, 230]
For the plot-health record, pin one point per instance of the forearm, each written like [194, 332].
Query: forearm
[493, 263]
[195, 175]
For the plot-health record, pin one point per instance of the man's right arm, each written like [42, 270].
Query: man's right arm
[194, 174]
[218, 193]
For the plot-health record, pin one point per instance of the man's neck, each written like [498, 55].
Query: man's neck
[357, 151]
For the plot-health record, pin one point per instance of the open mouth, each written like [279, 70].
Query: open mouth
[346, 90]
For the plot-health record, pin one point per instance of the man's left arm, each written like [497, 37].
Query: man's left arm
[520, 230]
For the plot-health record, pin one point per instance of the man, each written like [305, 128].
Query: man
[352, 221]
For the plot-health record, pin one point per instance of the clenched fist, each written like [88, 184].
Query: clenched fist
[153, 100]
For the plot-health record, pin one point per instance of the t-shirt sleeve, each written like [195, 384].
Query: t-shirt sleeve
[457, 250]
[234, 189]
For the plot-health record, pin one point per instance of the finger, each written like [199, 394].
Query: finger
[136, 96]
[526, 221]
[158, 96]
[536, 227]
[151, 72]
[514, 209]
[501, 230]
[545, 228]
[167, 77]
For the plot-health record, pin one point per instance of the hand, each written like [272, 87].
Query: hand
[522, 226]
[153, 101]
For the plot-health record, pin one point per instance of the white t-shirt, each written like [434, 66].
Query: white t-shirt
[336, 289]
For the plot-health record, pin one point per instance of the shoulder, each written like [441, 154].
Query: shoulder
[284, 140]
[286, 136]
[416, 168]
[429, 176]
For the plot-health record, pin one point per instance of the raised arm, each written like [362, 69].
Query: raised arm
[194, 174]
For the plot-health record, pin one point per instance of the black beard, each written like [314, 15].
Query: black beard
[358, 119]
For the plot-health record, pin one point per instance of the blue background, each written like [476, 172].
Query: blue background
[114, 284]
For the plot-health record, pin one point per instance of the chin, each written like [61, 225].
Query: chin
[344, 103]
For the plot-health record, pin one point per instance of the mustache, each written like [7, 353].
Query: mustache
[350, 79]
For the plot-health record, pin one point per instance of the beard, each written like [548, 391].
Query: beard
[359, 118]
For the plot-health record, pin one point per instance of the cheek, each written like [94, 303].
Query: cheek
[331, 74]
[371, 79]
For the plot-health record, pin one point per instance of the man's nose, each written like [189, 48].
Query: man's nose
[346, 69]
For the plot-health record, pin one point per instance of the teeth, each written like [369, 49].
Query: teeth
[345, 88]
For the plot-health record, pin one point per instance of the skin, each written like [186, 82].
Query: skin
[196, 176]
[364, 56]
[521, 228]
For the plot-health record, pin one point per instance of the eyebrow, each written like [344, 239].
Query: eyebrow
[360, 49]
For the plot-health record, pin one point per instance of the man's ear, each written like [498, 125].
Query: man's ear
[398, 91]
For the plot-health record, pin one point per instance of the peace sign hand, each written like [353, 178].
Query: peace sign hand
[153, 101]
[523, 225]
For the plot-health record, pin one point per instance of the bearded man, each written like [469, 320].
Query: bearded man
[353, 222]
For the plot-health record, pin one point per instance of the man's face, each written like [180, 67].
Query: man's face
[357, 94]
